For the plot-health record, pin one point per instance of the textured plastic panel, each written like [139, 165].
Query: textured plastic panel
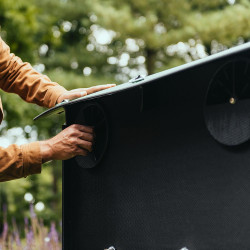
[163, 182]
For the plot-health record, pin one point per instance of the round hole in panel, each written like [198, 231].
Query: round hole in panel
[227, 106]
[92, 114]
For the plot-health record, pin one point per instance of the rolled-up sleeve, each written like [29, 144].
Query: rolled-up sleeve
[20, 161]
[20, 78]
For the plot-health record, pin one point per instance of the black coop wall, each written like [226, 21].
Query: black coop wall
[164, 182]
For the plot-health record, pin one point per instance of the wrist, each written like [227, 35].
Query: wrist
[46, 151]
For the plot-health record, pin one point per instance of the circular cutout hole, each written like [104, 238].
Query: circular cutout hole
[227, 106]
[92, 114]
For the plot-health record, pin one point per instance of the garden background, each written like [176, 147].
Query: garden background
[80, 43]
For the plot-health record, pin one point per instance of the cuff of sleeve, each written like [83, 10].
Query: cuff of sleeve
[53, 94]
[32, 159]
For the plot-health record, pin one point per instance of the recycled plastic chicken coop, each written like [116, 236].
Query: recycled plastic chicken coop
[170, 167]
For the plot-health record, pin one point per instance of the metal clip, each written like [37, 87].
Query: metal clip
[65, 101]
[59, 104]
[110, 248]
[137, 79]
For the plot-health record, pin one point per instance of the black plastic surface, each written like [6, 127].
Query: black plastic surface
[163, 182]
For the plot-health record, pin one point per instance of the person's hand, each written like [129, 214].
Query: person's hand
[74, 140]
[76, 93]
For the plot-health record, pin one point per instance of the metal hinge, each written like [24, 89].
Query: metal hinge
[137, 79]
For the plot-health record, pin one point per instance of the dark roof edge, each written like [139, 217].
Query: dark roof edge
[60, 107]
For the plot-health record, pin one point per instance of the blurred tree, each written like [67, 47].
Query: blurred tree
[148, 22]
[225, 22]
[155, 25]
[19, 17]
[65, 38]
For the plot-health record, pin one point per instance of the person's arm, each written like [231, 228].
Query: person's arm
[21, 161]
[73, 140]
[20, 78]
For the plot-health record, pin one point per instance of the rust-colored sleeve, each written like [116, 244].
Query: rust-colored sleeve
[20, 78]
[20, 161]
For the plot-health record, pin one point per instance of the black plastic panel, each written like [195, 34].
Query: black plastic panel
[163, 182]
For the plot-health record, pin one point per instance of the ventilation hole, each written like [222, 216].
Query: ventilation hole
[93, 115]
[227, 106]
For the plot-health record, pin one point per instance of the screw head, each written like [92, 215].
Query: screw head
[232, 100]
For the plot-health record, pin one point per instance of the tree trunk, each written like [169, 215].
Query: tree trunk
[56, 174]
[150, 61]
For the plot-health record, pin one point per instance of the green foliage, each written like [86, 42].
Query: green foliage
[162, 23]
[226, 28]
[203, 5]
[19, 17]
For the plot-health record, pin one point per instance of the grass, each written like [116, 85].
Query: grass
[36, 235]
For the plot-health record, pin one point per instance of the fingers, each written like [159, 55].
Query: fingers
[81, 151]
[75, 94]
[84, 144]
[87, 137]
[91, 90]
[82, 136]
[98, 88]
[82, 128]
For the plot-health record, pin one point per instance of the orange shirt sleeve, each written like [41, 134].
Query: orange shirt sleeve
[20, 78]
[20, 161]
